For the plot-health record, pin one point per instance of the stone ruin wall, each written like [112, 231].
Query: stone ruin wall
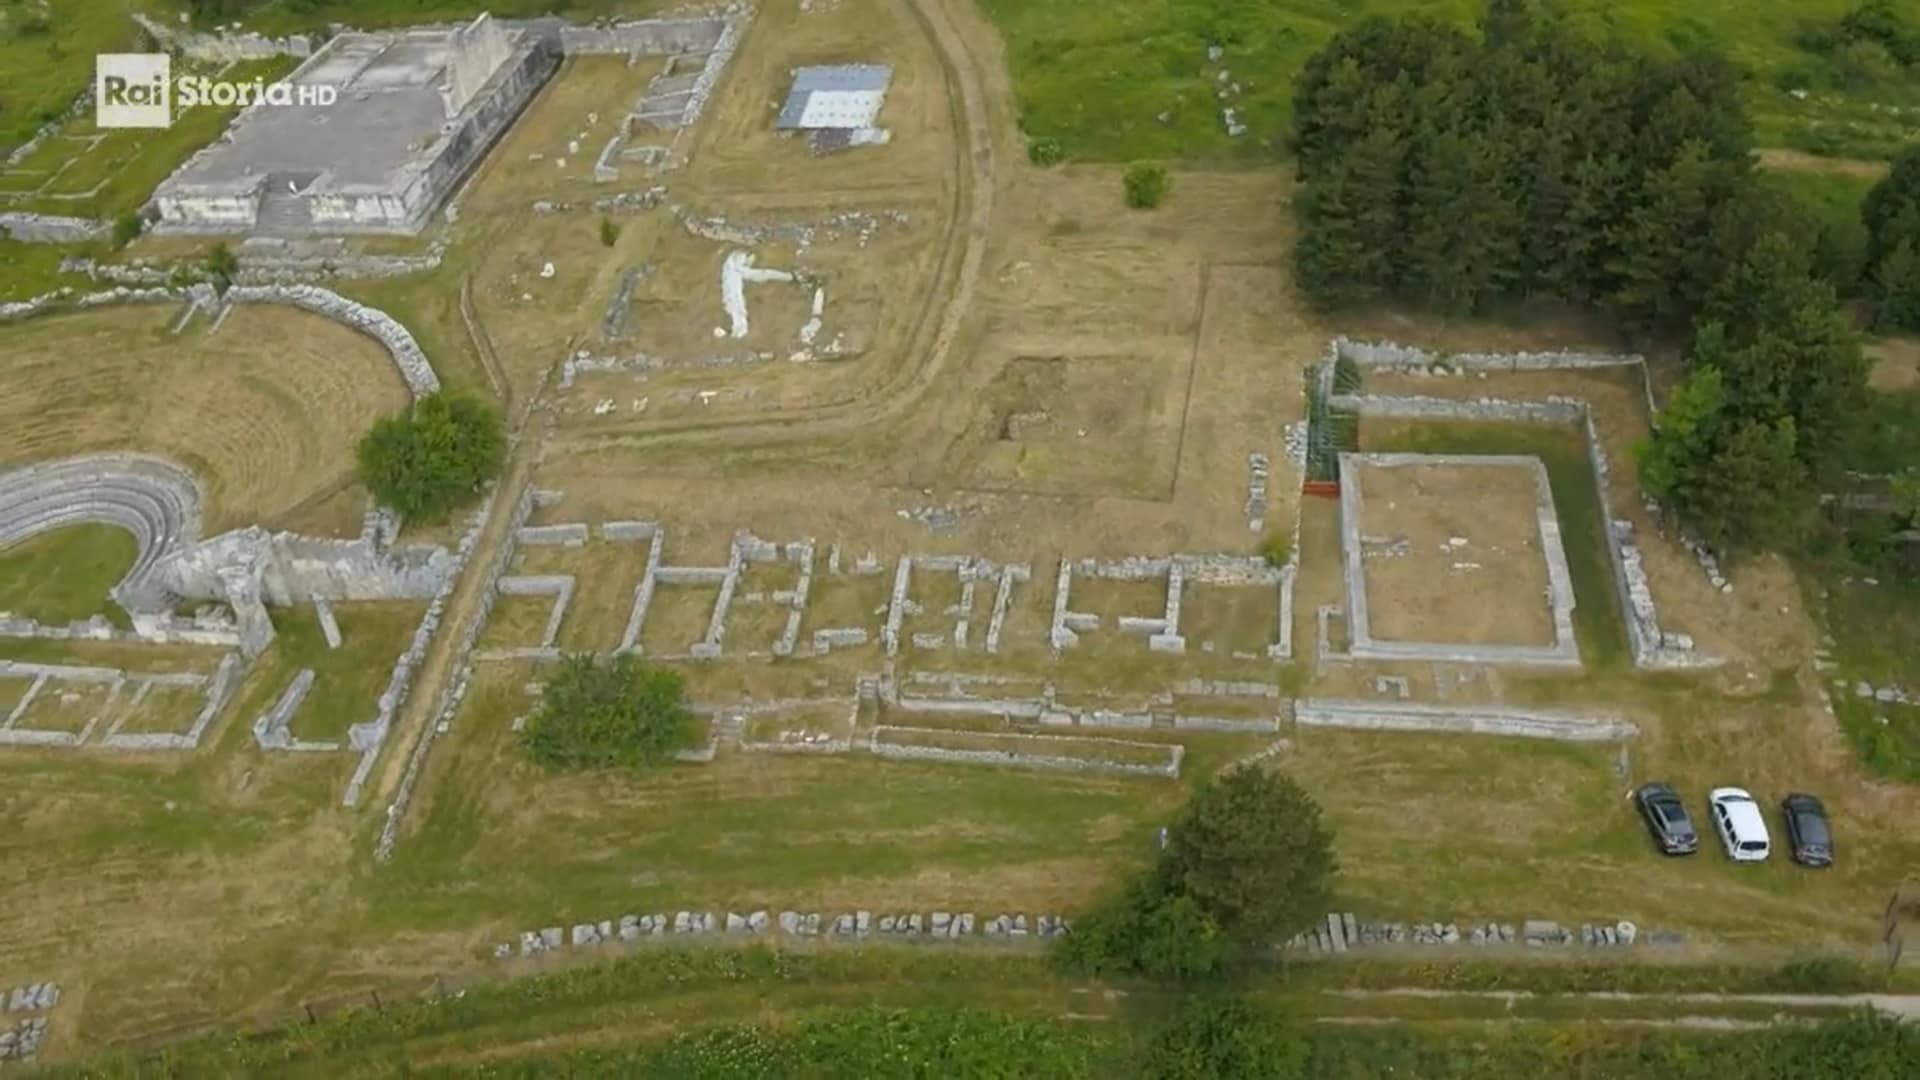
[455, 690]
[1652, 647]
[408, 358]
[224, 47]
[51, 228]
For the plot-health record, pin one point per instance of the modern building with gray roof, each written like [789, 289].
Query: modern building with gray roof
[847, 96]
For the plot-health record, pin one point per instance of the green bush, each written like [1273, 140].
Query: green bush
[1145, 931]
[1045, 151]
[1251, 850]
[1277, 549]
[126, 228]
[610, 712]
[221, 265]
[1146, 185]
[609, 232]
[434, 457]
[1218, 1038]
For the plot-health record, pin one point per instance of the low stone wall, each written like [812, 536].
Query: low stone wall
[272, 729]
[406, 352]
[225, 47]
[1037, 758]
[51, 228]
[1466, 719]
[455, 690]
[415, 370]
[860, 924]
[648, 37]
[1652, 647]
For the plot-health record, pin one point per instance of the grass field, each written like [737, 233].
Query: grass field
[265, 412]
[85, 171]
[1099, 77]
[62, 576]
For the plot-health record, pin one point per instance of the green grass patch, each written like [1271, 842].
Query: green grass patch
[48, 59]
[66, 575]
[30, 270]
[1596, 613]
[118, 172]
[1833, 198]
[1118, 82]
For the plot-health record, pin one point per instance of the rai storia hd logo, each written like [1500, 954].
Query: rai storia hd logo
[138, 90]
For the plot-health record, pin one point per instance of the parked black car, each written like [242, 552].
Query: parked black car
[1667, 818]
[1808, 829]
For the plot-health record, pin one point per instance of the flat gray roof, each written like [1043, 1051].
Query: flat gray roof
[863, 83]
[388, 114]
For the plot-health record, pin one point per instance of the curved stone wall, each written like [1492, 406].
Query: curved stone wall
[154, 499]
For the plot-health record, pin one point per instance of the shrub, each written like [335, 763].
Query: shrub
[1145, 931]
[1046, 150]
[222, 264]
[1251, 850]
[126, 228]
[1216, 1038]
[610, 712]
[1146, 185]
[1277, 549]
[425, 462]
[609, 232]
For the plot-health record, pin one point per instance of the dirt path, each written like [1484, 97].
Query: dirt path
[1781, 159]
[1902, 1006]
[429, 683]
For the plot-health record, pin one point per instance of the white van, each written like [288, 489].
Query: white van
[1736, 817]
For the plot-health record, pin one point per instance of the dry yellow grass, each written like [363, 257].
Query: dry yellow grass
[1490, 590]
[266, 412]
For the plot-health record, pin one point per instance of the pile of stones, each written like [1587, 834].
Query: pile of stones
[22, 1039]
[1886, 695]
[855, 924]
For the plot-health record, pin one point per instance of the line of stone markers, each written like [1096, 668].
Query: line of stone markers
[857, 924]
[1344, 931]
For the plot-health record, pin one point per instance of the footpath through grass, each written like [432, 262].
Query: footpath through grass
[685, 1011]
[1132, 79]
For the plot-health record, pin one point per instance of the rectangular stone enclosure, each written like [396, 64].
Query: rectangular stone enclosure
[1454, 558]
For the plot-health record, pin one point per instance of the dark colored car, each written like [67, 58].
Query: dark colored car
[1807, 828]
[1667, 819]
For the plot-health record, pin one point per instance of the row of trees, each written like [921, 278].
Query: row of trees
[1465, 173]
[1892, 217]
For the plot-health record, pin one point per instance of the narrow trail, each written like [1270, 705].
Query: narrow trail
[429, 683]
[1902, 1006]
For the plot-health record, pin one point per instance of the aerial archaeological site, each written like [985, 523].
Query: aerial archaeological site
[951, 538]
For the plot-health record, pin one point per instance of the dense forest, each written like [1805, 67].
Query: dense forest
[1467, 173]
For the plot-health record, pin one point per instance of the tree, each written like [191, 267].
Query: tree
[1735, 481]
[1896, 289]
[1906, 496]
[608, 712]
[436, 456]
[1251, 850]
[1891, 210]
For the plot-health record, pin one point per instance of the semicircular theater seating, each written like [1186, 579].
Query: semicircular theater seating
[154, 499]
